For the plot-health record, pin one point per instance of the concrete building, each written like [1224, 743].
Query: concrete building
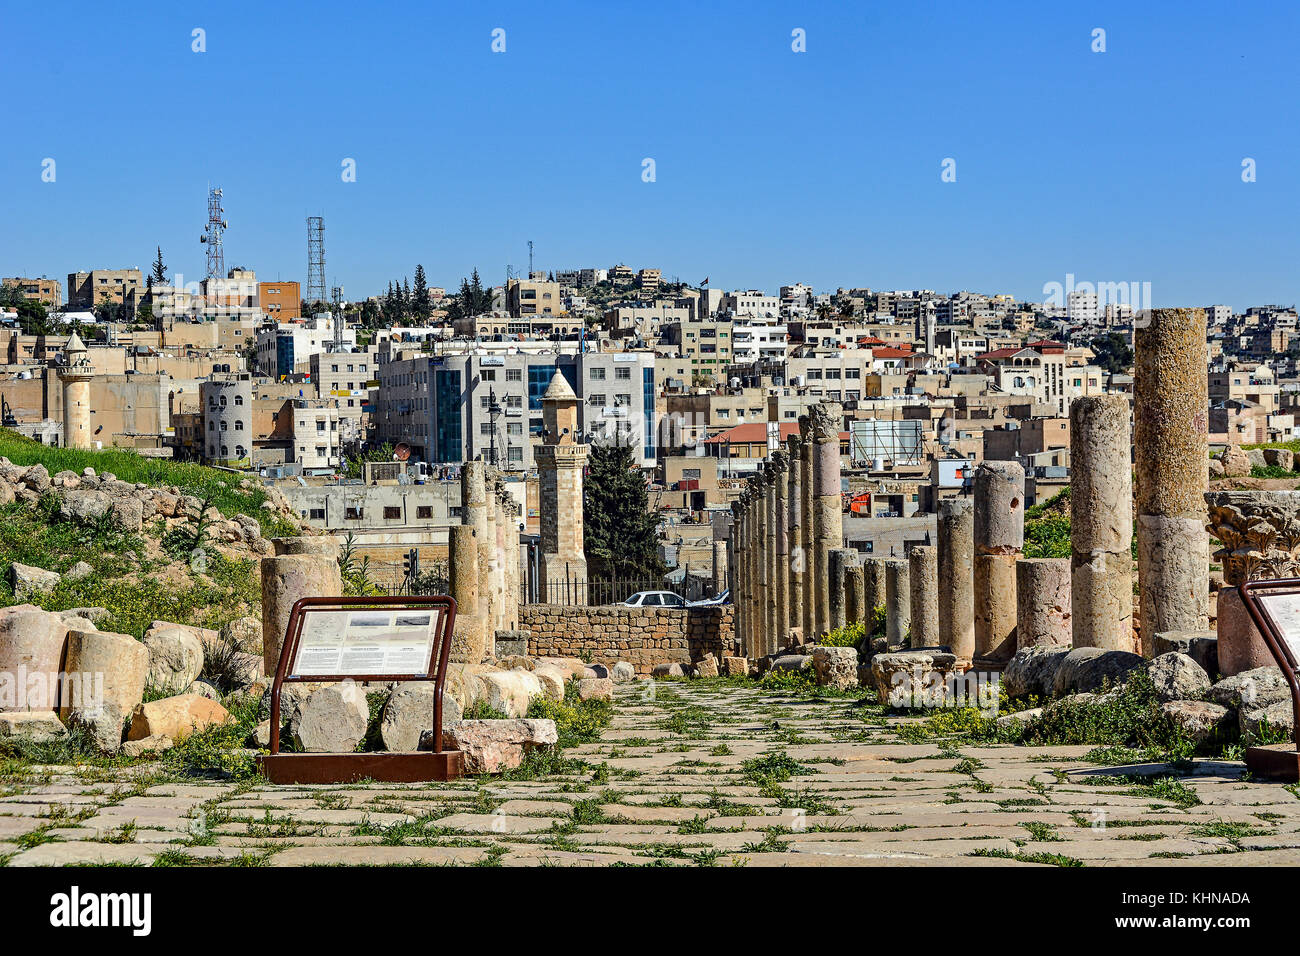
[124, 287]
[281, 301]
[227, 405]
[48, 292]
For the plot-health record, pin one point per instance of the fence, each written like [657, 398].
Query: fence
[591, 593]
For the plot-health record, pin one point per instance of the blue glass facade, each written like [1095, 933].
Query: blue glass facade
[648, 406]
[448, 440]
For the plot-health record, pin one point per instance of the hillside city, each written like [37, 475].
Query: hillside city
[256, 376]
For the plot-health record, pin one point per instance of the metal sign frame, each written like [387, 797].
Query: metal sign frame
[435, 764]
[1281, 761]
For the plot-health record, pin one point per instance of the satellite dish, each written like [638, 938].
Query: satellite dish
[402, 451]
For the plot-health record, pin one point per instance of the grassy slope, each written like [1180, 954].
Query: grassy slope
[136, 581]
[202, 482]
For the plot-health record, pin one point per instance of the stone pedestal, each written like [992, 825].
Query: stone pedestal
[825, 420]
[301, 567]
[995, 608]
[1101, 523]
[898, 601]
[794, 531]
[1171, 417]
[469, 639]
[840, 561]
[806, 521]
[873, 585]
[1259, 536]
[999, 535]
[923, 579]
[1042, 602]
[855, 609]
[956, 527]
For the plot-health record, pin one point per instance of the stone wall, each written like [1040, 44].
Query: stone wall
[643, 637]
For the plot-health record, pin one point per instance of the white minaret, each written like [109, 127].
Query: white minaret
[75, 373]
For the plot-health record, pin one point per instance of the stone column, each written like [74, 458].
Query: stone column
[768, 545]
[739, 578]
[469, 639]
[302, 567]
[781, 539]
[719, 567]
[898, 600]
[855, 597]
[474, 508]
[495, 565]
[508, 535]
[825, 419]
[923, 579]
[1042, 602]
[1101, 523]
[759, 547]
[794, 522]
[1259, 537]
[755, 535]
[873, 585]
[956, 525]
[1171, 424]
[839, 560]
[999, 537]
[808, 611]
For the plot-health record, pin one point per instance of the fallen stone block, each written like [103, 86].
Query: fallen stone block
[175, 717]
[708, 667]
[37, 726]
[735, 666]
[1200, 646]
[595, 688]
[408, 714]
[1176, 676]
[835, 667]
[28, 581]
[912, 679]
[155, 744]
[510, 692]
[622, 672]
[1087, 669]
[1200, 720]
[668, 669]
[332, 720]
[175, 657]
[491, 746]
[1259, 687]
[1031, 672]
[1266, 724]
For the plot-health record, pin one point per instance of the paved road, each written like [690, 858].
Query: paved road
[698, 774]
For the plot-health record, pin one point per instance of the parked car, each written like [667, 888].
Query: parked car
[723, 598]
[654, 599]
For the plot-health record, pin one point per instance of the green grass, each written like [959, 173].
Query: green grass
[220, 487]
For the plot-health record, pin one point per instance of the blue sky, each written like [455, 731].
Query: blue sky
[771, 166]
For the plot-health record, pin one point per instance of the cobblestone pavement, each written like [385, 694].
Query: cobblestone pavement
[696, 774]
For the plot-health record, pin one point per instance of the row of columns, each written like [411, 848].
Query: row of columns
[973, 590]
[484, 558]
[785, 524]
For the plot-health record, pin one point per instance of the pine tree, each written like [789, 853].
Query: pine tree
[420, 303]
[619, 530]
[158, 274]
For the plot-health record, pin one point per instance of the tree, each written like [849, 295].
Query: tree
[420, 303]
[620, 538]
[1113, 352]
[158, 274]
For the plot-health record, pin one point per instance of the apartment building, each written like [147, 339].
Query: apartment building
[123, 287]
[281, 301]
[286, 348]
[48, 292]
[705, 344]
[454, 408]
[528, 297]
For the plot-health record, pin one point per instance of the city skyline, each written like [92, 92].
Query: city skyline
[823, 166]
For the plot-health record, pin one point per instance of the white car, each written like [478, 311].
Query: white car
[654, 599]
[723, 598]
